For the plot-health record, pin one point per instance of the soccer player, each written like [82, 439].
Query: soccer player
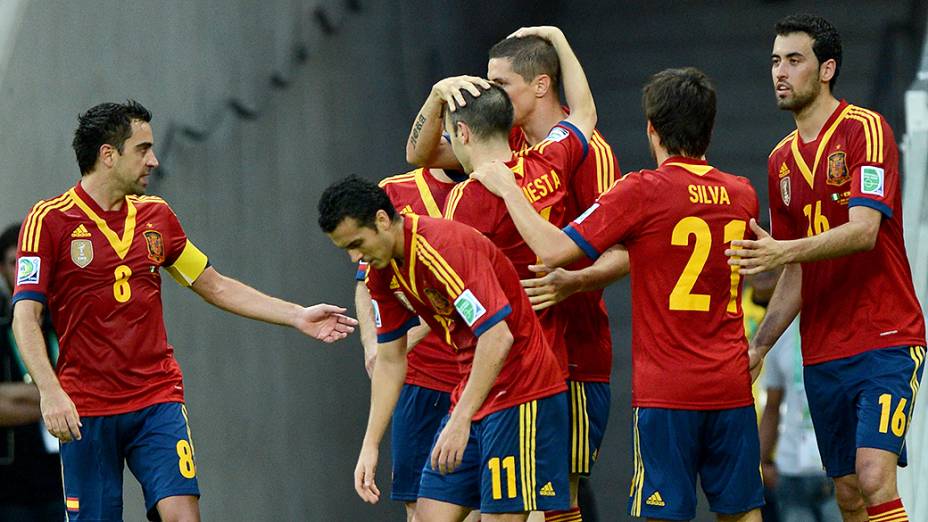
[529, 70]
[431, 375]
[502, 447]
[691, 390]
[836, 223]
[93, 256]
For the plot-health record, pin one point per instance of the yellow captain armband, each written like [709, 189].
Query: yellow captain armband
[189, 265]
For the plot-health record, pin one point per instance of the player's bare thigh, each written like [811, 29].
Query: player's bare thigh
[429, 510]
[180, 508]
[474, 515]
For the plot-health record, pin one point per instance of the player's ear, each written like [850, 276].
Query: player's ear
[826, 71]
[382, 220]
[541, 85]
[463, 132]
[107, 155]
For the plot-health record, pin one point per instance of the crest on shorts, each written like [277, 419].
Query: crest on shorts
[155, 245]
[837, 169]
[786, 190]
[440, 303]
[81, 252]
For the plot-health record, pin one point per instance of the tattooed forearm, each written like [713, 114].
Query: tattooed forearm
[417, 128]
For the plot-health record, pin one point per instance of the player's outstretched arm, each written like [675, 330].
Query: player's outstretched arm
[386, 384]
[550, 244]
[58, 411]
[322, 321]
[489, 355]
[424, 147]
[365, 312]
[782, 309]
[557, 284]
[765, 253]
[576, 88]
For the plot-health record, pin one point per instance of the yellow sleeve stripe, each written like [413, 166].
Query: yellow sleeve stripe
[605, 163]
[189, 266]
[147, 199]
[439, 267]
[873, 128]
[784, 141]
[33, 224]
[453, 198]
[425, 194]
[399, 178]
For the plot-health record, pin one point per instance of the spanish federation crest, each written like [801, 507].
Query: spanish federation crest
[439, 302]
[81, 252]
[155, 245]
[786, 190]
[837, 169]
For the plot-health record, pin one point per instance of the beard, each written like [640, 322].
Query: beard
[800, 99]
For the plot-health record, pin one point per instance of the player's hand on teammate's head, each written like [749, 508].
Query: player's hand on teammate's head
[496, 177]
[548, 32]
[60, 415]
[325, 322]
[450, 89]
[364, 475]
[758, 255]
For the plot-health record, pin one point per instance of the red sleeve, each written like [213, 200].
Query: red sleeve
[36, 253]
[873, 162]
[612, 219]
[564, 149]
[472, 204]
[175, 239]
[391, 317]
[779, 193]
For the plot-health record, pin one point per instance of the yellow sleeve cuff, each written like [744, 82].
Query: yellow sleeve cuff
[189, 265]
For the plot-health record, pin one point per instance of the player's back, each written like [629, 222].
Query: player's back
[689, 348]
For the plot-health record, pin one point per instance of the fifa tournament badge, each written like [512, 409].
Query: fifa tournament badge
[81, 252]
[786, 191]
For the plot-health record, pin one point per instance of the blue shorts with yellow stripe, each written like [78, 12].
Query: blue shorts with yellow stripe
[863, 401]
[514, 462]
[418, 414]
[154, 441]
[589, 413]
[673, 447]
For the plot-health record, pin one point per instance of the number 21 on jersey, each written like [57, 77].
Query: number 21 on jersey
[682, 297]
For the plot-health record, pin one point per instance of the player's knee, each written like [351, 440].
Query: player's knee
[848, 495]
[876, 481]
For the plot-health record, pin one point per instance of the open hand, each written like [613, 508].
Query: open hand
[759, 255]
[448, 452]
[364, 475]
[449, 89]
[325, 322]
[496, 177]
[554, 285]
[60, 415]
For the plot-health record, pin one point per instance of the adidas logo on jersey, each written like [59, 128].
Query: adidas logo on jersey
[655, 500]
[80, 231]
[547, 490]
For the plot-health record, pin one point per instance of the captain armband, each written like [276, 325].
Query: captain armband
[189, 265]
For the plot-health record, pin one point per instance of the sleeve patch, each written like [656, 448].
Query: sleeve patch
[557, 134]
[469, 307]
[28, 271]
[586, 213]
[376, 307]
[871, 180]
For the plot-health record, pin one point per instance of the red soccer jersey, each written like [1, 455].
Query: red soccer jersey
[430, 364]
[587, 336]
[688, 345]
[462, 285]
[863, 301]
[98, 274]
[543, 172]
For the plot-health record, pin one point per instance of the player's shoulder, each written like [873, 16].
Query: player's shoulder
[466, 193]
[864, 120]
[782, 146]
[50, 206]
[145, 199]
[398, 179]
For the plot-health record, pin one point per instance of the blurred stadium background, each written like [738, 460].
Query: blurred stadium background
[261, 104]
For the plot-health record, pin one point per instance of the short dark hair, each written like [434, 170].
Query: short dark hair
[109, 123]
[9, 237]
[680, 104]
[356, 198]
[826, 42]
[530, 56]
[487, 115]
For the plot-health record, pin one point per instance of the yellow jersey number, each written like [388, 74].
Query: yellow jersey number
[682, 297]
[121, 289]
[817, 222]
[496, 471]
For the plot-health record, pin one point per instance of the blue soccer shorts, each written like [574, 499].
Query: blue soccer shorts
[416, 419]
[672, 447]
[515, 461]
[863, 401]
[589, 404]
[154, 441]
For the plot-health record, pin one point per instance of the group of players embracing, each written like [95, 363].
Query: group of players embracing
[501, 242]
